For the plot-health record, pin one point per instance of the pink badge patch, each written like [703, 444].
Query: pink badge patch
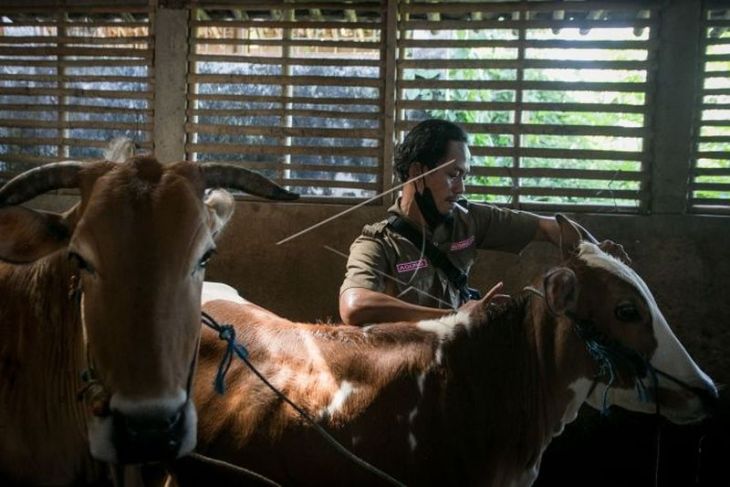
[462, 244]
[411, 266]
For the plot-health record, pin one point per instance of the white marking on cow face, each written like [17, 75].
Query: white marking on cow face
[339, 398]
[580, 390]
[444, 327]
[218, 290]
[101, 429]
[670, 356]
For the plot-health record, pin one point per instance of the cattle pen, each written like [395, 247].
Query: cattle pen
[614, 113]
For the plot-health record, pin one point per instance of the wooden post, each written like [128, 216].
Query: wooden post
[676, 86]
[171, 66]
[390, 31]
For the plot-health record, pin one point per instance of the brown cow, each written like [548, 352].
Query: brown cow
[470, 399]
[112, 288]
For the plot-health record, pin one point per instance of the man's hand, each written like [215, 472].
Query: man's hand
[615, 250]
[492, 295]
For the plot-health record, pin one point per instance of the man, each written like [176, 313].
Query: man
[390, 274]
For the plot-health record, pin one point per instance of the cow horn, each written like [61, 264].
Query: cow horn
[39, 180]
[219, 175]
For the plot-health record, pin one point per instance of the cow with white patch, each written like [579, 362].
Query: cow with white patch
[100, 313]
[470, 399]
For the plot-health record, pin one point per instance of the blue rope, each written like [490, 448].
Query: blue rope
[228, 334]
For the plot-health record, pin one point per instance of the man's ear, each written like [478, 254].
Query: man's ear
[27, 235]
[414, 171]
[220, 206]
[561, 290]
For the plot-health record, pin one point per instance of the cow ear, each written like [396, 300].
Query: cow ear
[561, 290]
[569, 236]
[220, 205]
[27, 235]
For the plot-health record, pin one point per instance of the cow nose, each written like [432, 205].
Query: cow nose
[147, 437]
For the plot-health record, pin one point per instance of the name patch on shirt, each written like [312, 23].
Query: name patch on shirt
[411, 266]
[462, 244]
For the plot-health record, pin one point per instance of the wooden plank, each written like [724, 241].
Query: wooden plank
[279, 99]
[78, 92]
[711, 171]
[24, 51]
[514, 64]
[526, 106]
[278, 112]
[78, 109]
[283, 24]
[566, 192]
[580, 154]
[294, 61]
[636, 87]
[539, 129]
[362, 45]
[349, 133]
[594, 174]
[322, 183]
[722, 139]
[444, 24]
[284, 80]
[74, 142]
[516, 6]
[76, 78]
[75, 124]
[73, 40]
[365, 6]
[713, 154]
[91, 63]
[531, 44]
[619, 207]
[278, 150]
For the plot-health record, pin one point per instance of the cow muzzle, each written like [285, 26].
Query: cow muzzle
[144, 431]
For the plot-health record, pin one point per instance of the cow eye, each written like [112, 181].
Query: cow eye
[203, 263]
[81, 263]
[627, 312]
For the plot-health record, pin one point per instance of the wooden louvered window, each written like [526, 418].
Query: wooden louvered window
[294, 93]
[556, 96]
[709, 190]
[72, 81]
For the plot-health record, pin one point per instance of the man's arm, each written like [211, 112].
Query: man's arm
[360, 306]
[548, 230]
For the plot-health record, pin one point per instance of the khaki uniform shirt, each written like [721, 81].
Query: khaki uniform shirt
[385, 261]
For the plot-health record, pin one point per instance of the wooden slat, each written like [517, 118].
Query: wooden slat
[524, 85]
[323, 183]
[278, 150]
[282, 131]
[278, 112]
[516, 63]
[444, 24]
[607, 155]
[91, 63]
[711, 171]
[698, 202]
[293, 61]
[594, 174]
[619, 207]
[719, 187]
[75, 124]
[79, 109]
[526, 106]
[73, 142]
[72, 40]
[95, 23]
[78, 92]
[24, 51]
[279, 99]
[284, 24]
[567, 192]
[364, 6]
[515, 6]
[539, 129]
[75, 78]
[284, 80]
[532, 44]
[365, 45]
[713, 155]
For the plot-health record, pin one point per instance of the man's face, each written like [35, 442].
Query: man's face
[447, 183]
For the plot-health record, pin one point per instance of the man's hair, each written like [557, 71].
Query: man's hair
[426, 143]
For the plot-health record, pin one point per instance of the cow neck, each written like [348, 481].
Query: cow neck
[42, 352]
[515, 351]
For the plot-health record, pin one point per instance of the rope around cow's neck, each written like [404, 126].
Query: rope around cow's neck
[227, 333]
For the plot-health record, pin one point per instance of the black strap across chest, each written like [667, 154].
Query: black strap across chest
[435, 256]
